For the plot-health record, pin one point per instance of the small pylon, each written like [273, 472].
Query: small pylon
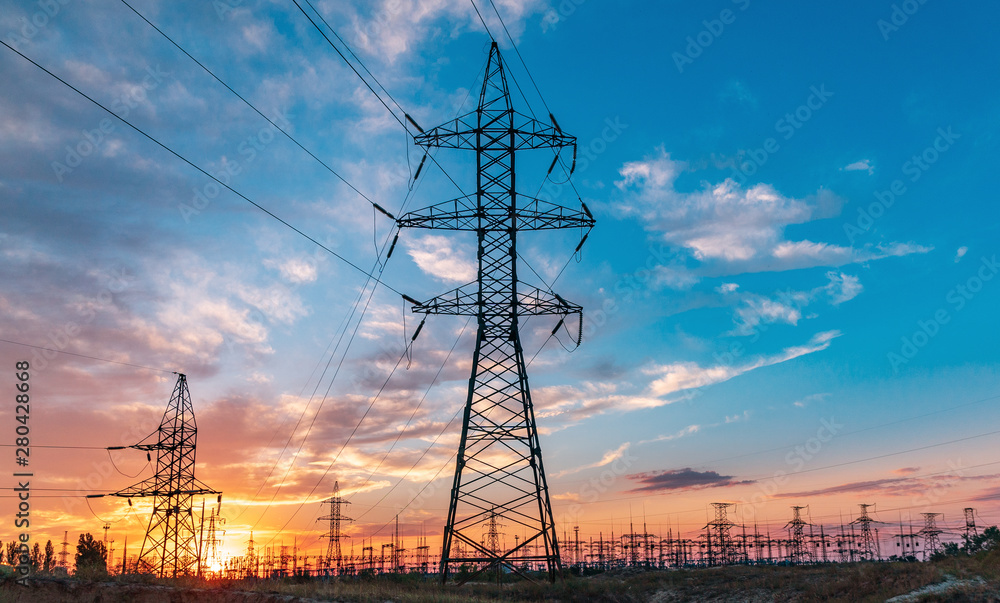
[868, 548]
[170, 548]
[797, 550]
[334, 534]
[931, 534]
[723, 553]
[970, 527]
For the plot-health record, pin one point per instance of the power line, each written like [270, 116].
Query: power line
[38, 347]
[195, 166]
[518, 52]
[247, 103]
[344, 447]
[367, 85]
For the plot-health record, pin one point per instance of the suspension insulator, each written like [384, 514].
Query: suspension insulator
[582, 241]
[572, 168]
[392, 246]
[411, 300]
[553, 164]
[555, 124]
[586, 210]
[382, 209]
[558, 324]
[415, 124]
[417, 332]
[420, 167]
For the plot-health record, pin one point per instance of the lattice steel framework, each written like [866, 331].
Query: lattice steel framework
[798, 552]
[868, 548]
[170, 548]
[334, 534]
[499, 464]
[931, 534]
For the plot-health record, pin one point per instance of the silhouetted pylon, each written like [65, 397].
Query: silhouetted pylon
[170, 548]
[335, 533]
[498, 468]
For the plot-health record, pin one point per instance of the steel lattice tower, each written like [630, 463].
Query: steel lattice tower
[723, 541]
[797, 550]
[868, 548]
[499, 461]
[170, 547]
[931, 534]
[334, 533]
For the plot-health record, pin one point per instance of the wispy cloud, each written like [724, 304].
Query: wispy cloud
[681, 377]
[609, 457]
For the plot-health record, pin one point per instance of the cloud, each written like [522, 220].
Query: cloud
[682, 479]
[810, 399]
[683, 376]
[609, 457]
[295, 270]
[961, 253]
[865, 165]
[690, 429]
[842, 287]
[443, 258]
[893, 486]
[731, 229]
[786, 307]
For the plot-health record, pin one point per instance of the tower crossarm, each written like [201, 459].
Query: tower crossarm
[156, 486]
[464, 213]
[465, 301]
[523, 131]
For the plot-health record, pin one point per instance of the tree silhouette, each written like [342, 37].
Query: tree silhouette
[91, 557]
[48, 563]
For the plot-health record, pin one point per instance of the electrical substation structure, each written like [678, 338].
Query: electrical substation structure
[170, 547]
[498, 470]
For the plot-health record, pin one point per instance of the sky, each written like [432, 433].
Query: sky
[789, 295]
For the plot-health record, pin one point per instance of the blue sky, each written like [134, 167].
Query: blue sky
[788, 197]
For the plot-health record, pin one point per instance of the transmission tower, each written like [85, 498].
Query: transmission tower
[64, 553]
[499, 462]
[868, 548]
[169, 548]
[970, 527]
[334, 533]
[724, 552]
[798, 552]
[210, 554]
[931, 534]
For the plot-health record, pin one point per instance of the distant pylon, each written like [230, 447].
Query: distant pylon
[213, 542]
[797, 550]
[170, 548]
[64, 553]
[931, 534]
[498, 467]
[970, 527]
[724, 552]
[335, 533]
[868, 548]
